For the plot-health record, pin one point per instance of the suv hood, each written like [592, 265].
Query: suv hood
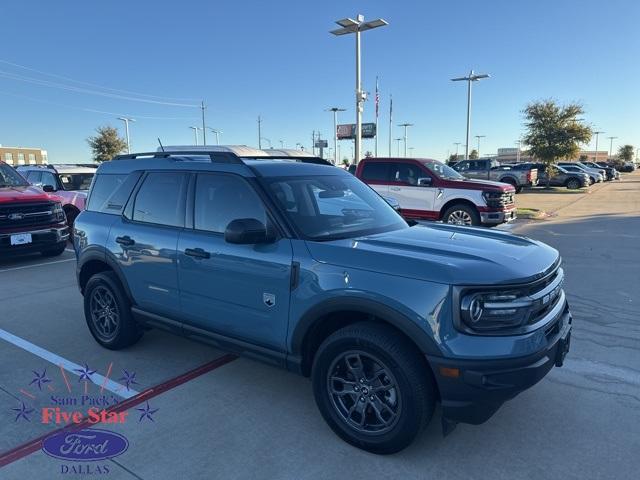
[443, 253]
[24, 194]
[480, 185]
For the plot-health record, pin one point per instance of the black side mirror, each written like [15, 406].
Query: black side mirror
[48, 188]
[247, 231]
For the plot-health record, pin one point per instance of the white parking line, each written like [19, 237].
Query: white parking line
[69, 250]
[37, 265]
[58, 361]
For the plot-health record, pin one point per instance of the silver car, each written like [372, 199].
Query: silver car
[594, 174]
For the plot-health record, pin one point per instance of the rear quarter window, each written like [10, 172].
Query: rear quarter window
[109, 193]
[375, 171]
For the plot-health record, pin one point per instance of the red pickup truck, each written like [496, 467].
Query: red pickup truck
[430, 190]
[30, 220]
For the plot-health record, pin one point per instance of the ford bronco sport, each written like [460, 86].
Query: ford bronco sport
[303, 266]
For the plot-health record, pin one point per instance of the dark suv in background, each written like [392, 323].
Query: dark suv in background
[299, 264]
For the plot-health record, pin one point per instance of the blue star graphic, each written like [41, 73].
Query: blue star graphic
[85, 373]
[129, 379]
[23, 412]
[147, 412]
[40, 378]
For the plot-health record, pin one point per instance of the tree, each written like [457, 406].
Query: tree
[473, 155]
[554, 131]
[106, 144]
[625, 153]
[584, 158]
[453, 158]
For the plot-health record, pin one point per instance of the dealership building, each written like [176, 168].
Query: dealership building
[23, 155]
[510, 155]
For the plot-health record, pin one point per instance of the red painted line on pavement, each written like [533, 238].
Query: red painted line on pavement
[36, 444]
[27, 393]
[106, 379]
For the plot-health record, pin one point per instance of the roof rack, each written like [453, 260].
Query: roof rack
[218, 156]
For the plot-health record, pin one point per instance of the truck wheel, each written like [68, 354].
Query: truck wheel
[107, 311]
[513, 183]
[461, 214]
[573, 184]
[373, 387]
[54, 252]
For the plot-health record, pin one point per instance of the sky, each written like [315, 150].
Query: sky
[89, 62]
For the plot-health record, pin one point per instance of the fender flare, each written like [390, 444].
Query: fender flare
[102, 255]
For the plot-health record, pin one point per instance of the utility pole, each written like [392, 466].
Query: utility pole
[405, 125]
[204, 128]
[126, 121]
[596, 133]
[335, 111]
[611, 146]
[472, 77]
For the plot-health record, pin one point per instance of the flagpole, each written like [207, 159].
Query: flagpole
[377, 102]
[390, 122]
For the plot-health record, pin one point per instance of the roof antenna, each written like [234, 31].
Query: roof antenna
[160, 144]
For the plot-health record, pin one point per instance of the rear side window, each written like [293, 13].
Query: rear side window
[376, 171]
[104, 186]
[33, 177]
[161, 199]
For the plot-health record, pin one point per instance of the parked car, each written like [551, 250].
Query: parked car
[611, 172]
[430, 190]
[70, 182]
[305, 267]
[490, 169]
[594, 175]
[559, 178]
[597, 168]
[31, 220]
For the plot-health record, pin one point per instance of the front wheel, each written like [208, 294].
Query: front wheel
[573, 184]
[373, 387]
[461, 214]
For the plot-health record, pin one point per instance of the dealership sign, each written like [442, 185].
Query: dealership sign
[348, 131]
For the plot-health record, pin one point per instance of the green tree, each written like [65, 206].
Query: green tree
[453, 158]
[555, 131]
[106, 144]
[583, 158]
[625, 153]
[473, 155]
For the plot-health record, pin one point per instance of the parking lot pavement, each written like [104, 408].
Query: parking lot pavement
[556, 198]
[248, 420]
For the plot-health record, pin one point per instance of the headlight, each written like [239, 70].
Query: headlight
[59, 212]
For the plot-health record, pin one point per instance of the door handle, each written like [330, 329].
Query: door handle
[395, 189]
[127, 241]
[197, 252]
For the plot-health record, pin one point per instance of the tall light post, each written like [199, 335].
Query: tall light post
[399, 139]
[335, 111]
[195, 133]
[126, 121]
[349, 25]
[472, 77]
[519, 143]
[611, 145]
[479, 137]
[217, 134]
[596, 133]
[457, 144]
[405, 125]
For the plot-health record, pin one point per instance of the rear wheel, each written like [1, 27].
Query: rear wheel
[373, 387]
[461, 214]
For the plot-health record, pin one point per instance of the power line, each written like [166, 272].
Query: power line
[95, 85]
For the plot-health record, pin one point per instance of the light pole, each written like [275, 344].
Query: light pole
[349, 25]
[265, 138]
[195, 132]
[611, 145]
[479, 137]
[519, 143]
[596, 133]
[217, 134]
[259, 133]
[399, 139]
[457, 144]
[405, 125]
[126, 121]
[472, 77]
[335, 111]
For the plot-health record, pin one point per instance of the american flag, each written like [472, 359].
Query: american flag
[377, 97]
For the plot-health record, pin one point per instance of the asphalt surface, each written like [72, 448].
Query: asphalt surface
[248, 420]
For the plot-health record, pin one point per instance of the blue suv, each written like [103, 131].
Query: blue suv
[299, 264]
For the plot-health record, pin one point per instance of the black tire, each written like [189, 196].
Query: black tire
[513, 183]
[402, 382]
[110, 321]
[573, 184]
[54, 252]
[456, 215]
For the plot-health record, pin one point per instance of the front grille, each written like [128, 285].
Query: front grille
[27, 214]
[547, 293]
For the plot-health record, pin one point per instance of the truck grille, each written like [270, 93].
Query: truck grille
[27, 215]
[504, 199]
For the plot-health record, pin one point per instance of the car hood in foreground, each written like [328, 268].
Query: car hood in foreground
[443, 253]
[24, 194]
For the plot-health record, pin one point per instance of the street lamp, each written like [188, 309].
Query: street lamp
[596, 133]
[405, 125]
[126, 127]
[265, 138]
[479, 137]
[457, 144]
[335, 111]
[399, 139]
[611, 145]
[349, 25]
[195, 132]
[217, 133]
[472, 77]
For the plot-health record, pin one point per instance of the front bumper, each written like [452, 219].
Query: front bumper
[498, 217]
[41, 239]
[481, 387]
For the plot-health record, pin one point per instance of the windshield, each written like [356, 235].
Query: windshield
[442, 170]
[332, 207]
[10, 178]
[76, 181]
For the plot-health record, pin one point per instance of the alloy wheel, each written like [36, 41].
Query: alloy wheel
[459, 217]
[105, 315]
